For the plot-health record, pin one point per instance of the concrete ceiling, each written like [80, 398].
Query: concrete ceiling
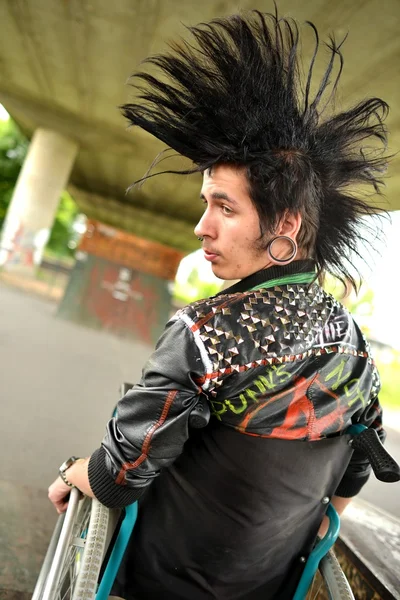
[64, 65]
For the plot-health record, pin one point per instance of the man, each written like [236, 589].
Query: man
[229, 510]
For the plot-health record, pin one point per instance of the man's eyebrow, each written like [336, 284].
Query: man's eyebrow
[219, 196]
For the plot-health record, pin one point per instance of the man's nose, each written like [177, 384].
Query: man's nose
[204, 227]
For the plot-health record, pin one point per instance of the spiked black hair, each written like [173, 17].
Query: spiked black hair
[235, 96]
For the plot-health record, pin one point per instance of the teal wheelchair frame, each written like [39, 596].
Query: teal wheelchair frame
[49, 578]
[128, 524]
[53, 569]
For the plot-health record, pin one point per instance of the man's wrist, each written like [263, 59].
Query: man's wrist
[65, 467]
[65, 480]
[78, 476]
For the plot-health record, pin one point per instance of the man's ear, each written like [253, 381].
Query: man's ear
[289, 224]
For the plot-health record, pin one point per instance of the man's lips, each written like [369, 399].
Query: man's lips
[210, 255]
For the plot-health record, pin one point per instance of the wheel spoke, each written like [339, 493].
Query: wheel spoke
[86, 541]
[317, 592]
[70, 567]
[314, 590]
[65, 570]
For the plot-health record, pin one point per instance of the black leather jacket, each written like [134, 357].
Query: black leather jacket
[284, 370]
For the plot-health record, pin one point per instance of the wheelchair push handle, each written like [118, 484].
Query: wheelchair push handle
[200, 414]
[384, 466]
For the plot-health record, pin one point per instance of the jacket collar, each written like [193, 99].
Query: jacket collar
[276, 275]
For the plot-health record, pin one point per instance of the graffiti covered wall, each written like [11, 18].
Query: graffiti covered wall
[121, 283]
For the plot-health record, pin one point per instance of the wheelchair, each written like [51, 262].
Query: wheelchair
[89, 541]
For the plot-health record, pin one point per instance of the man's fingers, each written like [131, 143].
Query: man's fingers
[61, 508]
[58, 494]
[60, 505]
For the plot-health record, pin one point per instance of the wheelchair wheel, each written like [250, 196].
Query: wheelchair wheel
[73, 570]
[82, 569]
[335, 579]
[330, 583]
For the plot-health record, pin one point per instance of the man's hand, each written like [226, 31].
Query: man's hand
[339, 504]
[77, 474]
[58, 495]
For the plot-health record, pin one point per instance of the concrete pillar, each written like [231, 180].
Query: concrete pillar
[31, 213]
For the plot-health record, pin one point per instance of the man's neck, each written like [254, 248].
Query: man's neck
[298, 271]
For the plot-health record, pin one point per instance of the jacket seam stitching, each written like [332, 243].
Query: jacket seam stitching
[207, 365]
[128, 466]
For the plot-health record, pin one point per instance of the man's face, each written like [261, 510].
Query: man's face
[230, 225]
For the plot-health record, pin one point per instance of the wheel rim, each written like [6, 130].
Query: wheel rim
[73, 562]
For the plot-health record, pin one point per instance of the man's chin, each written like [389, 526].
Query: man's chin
[218, 272]
[223, 274]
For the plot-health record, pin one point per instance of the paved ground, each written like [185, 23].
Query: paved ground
[58, 384]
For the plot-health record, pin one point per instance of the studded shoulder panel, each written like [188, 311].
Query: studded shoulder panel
[240, 331]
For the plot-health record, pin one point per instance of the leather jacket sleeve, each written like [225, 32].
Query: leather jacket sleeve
[152, 422]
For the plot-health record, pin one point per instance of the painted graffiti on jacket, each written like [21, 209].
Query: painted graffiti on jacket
[312, 368]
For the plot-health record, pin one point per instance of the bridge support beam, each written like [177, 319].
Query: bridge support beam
[31, 213]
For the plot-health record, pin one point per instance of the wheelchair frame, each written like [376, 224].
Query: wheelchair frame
[49, 577]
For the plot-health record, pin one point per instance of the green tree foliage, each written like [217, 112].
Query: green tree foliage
[13, 150]
[194, 289]
[62, 229]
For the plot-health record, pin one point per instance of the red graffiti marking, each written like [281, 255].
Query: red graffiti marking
[128, 305]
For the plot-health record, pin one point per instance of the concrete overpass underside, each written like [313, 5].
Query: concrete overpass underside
[64, 66]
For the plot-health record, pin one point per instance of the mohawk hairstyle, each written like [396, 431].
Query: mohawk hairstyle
[236, 96]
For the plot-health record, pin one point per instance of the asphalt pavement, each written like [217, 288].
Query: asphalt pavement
[59, 383]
